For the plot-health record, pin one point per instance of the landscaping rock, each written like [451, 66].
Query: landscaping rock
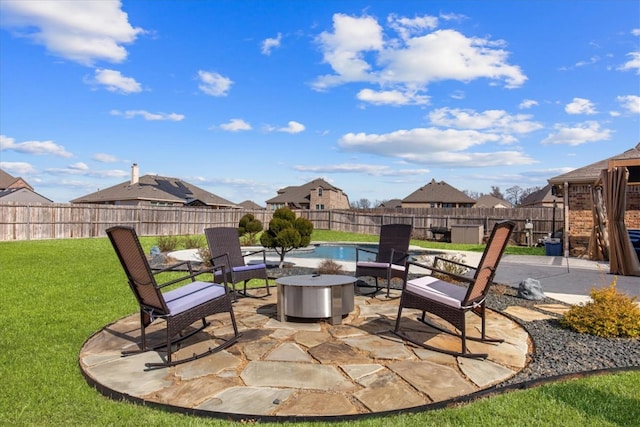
[530, 289]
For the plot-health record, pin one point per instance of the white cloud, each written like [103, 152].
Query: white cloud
[82, 169]
[104, 158]
[491, 120]
[129, 114]
[39, 148]
[630, 103]
[581, 134]
[371, 170]
[432, 146]
[18, 168]
[527, 103]
[358, 50]
[636, 31]
[81, 31]
[292, 127]
[580, 106]
[392, 97]
[214, 84]
[270, 43]
[114, 81]
[633, 63]
[235, 125]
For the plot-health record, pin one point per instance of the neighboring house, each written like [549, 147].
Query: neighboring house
[14, 189]
[543, 198]
[491, 202]
[7, 181]
[391, 204]
[250, 204]
[437, 195]
[154, 190]
[315, 195]
[575, 188]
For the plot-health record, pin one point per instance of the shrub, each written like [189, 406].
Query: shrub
[205, 255]
[248, 229]
[193, 241]
[610, 314]
[450, 267]
[329, 266]
[167, 243]
[286, 232]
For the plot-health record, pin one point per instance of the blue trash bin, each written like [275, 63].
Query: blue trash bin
[553, 247]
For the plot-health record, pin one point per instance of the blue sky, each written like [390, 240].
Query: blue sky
[378, 98]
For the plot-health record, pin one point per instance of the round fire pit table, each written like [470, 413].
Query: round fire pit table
[315, 296]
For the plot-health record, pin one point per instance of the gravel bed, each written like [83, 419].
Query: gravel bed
[558, 351]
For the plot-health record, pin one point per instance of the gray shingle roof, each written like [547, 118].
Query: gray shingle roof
[300, 195]
[590, 173]
[539, 197]
[159, 189]
[489, 201]
[438, 192]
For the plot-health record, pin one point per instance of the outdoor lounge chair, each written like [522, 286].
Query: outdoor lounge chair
[450, 301]
[224, 248]
[179, 308]
[390, 258]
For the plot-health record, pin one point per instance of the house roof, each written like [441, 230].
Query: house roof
[250, 204]
[157, 188]
[489, 201]
[300, 195]
[539, 197]
[590, 173]
[10, 181]
[25, 195]
[392, 204]
[437, 192]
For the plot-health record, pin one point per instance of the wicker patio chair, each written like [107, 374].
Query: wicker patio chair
[179, 308]
[390, 258]
[224, 248]
[450, 301]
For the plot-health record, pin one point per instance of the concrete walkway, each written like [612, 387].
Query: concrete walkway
[307, 368]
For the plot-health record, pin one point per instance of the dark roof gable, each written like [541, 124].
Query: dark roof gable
[438, 192]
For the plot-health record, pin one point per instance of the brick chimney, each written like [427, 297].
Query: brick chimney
[135, 174]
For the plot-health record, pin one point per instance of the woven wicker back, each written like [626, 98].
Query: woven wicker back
[143, 284]
[489, 262]
[225, 240]
[396, 237]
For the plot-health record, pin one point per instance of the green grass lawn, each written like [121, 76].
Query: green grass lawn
[54, 294]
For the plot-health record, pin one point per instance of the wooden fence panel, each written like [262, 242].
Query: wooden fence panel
[19, 221]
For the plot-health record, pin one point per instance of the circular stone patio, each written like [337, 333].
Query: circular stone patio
[306, 369]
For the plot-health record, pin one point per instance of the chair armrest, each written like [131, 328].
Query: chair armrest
[440, 271]
[262, 251]
[172, 267]
[358, 250]
[192, 275]
[439, 258]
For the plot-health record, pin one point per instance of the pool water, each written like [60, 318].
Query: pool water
[340, 252]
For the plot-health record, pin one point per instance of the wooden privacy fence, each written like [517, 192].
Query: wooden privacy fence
[19, 221]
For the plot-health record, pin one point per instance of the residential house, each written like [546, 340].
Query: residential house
[154, 190]
[491, 202]
[315, 195]
[391, 204]
[16, 189]
[437, 195]
[576, 187]
[250, 204]
[543, 198]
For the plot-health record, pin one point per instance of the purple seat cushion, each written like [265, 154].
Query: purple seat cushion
[431, 288]
[191, 295]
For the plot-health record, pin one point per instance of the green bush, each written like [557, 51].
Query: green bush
[167, 243]
[286, 232]
[248, 229]
[193, 241]
[610, 314]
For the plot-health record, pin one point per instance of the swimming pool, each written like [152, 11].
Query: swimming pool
[343, 252]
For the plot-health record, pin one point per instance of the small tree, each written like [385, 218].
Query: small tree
[286, 232]
[249, 227]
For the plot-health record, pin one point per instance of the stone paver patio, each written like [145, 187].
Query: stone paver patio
[307, 369]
